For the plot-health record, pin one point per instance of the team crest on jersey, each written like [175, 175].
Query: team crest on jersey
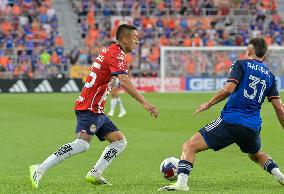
[93, 128]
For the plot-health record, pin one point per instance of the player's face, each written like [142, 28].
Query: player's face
[132, 41]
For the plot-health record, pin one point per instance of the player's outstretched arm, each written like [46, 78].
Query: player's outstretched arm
[279, 110]
[130, 89]
[218, 97]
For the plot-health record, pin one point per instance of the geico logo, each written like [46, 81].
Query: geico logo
[206, 83]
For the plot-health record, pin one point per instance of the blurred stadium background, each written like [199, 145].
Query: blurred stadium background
[48, 45]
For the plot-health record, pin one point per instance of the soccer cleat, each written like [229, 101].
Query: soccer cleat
[280, 180]
[122, 114]
[35, 175]
[94, 177]
[174, 187]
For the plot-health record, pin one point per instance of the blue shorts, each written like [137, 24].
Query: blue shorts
[219, 135]
[94, 124]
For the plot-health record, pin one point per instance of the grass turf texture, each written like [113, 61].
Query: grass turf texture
[35, 125]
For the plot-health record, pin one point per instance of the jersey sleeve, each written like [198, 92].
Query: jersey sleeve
[118, 63]
[236, 72]
[273, 92]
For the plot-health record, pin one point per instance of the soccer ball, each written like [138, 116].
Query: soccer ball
[169, 168]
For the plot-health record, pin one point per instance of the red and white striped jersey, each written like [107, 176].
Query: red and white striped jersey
[109, 63]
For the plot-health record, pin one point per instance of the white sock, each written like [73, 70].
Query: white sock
[119, 101]
[64, 152]
[182, 179]
[277, 173]
[113, 103]
[109, 154]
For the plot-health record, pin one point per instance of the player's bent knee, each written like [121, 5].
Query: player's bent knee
[189, 146]
[252, 157]
[79, 146]
[114, 136]
[85, 145]
[255, 157]
[84, 136]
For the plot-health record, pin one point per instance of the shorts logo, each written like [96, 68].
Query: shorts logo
[64, 149]
[93, 128]
[110, 154]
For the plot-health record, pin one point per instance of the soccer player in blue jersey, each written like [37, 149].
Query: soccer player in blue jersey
[249, 82]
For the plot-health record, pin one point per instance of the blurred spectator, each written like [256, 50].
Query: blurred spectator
[45, 58]
[29, 31]
[74, 55]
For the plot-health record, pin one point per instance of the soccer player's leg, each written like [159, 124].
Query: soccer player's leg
[215, 135]
[185, 165]
[251, 144]
[107, 131]
[266, 162]
[64, 152]
[122, 111]
[81, 144]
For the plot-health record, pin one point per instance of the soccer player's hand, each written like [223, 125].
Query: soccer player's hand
[202, 107]
[151, 109]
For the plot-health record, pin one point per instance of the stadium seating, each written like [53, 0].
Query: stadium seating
[178, 23]
[32, 47]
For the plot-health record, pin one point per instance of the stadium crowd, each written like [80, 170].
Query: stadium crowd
[31, 45]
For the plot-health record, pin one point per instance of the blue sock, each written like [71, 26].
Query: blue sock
[269, 165]
[184, 167]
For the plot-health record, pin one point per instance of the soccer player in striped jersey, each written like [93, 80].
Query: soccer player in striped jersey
[249, 82]
[89, 108]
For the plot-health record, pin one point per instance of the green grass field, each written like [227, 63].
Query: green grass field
[35, 125]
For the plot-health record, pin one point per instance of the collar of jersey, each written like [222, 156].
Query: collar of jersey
[119, 47]
[257, 60]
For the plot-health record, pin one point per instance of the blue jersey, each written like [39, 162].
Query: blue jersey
[254, 82]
